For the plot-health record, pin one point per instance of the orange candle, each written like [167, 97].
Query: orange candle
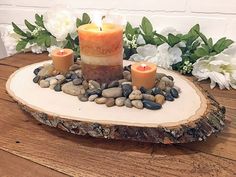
[62, 59]
[143, 74]
[101, 50]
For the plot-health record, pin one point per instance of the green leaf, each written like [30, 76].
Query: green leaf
[146, 26]
[78, 22]
[48, 41]
[85, 18]
[39, 20]
[222, 44]
[163, 38]
[203, 37]
[195, 28]
[21, 45]
[200, 52]
[210, 43]
[43, 39]
[129, 31]
[17, 30]
[29, 25]
[172, 40]
[158, 41]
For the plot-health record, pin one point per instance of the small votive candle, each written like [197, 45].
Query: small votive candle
[62, 59]
[143, 75]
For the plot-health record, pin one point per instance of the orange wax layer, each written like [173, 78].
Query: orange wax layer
[144, 78]
[62, 61]
[94, 42]
[102, 73]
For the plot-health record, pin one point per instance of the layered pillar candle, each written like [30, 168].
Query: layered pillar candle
[62, 59]
[101, 51]
[143, 75]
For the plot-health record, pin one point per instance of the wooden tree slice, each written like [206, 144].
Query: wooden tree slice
[194, 116]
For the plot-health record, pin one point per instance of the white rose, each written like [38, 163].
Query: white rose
[60, 22]
[163, 55]
[221, 69]
[10, 40]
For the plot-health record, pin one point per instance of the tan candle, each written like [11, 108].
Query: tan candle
[62, 59]
[143, 74]
[101, 50]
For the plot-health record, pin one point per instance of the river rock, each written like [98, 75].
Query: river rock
[121, 81]
[53, 81]
[120, 101]
[77, 81]
[92, 97]
[110, 102]
[36, 71]
[169, 97]
[73, 76]
[83, 98]
[36, 79]
[85, 84]
[151, 105]
[93, 84]
[112, 92]
[126, 89]
[168, 82]
[46, 71]
[101, 100]
[160, 99]
[72, 89]
[142, 89]
[174, 93]
[128, 103]
[156, 91]
[159, 76]
[60, 77]
[170, 77]
[94, 91]
[161, 85]
[113, 84]
[44, 84]
[148, 97]
[104, 86]
[79, 73]
[135, 95]
[127, 75]
[137, 104]
[74, 67]
[57, 87]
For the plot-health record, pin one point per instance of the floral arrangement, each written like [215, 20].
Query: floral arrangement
[190, 53]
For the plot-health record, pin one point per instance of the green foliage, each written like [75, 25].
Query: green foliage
[194, 43]
[21, 45]
[85, 20]
[30, 26]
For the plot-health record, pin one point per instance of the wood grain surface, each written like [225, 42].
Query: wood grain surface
[29, 147]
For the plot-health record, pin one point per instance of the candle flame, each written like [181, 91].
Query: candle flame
[143, 65]
[97, 19]
[61, 51]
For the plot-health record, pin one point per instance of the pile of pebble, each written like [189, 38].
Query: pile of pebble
[119, 92]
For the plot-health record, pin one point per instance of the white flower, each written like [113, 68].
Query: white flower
[10, 40]
[140, 40]
[163, 55]
[169, 30]
[52, 48]
[221, 69]
[35, 48]
[60, 22]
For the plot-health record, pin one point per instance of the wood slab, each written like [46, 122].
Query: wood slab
[192, 117]
[76, 155]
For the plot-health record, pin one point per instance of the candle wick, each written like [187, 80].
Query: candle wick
[100, 28]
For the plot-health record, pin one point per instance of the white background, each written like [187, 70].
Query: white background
[216, 17]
